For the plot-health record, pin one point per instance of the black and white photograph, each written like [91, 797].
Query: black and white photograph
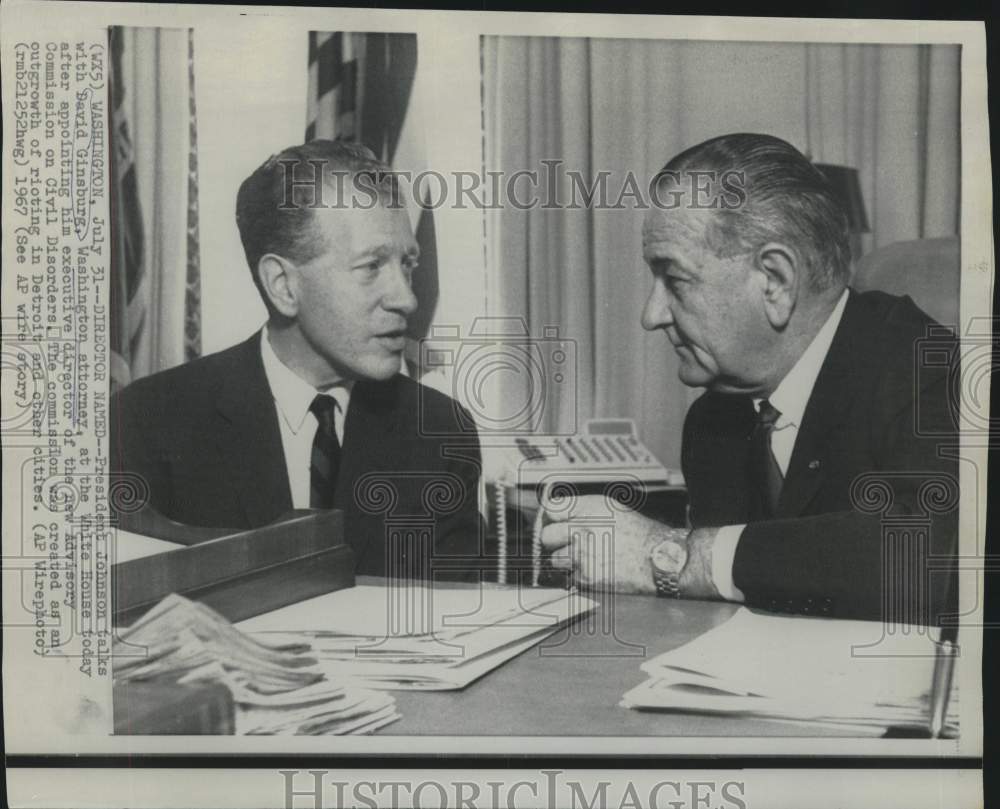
[409, 384]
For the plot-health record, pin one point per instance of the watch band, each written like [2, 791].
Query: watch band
[667, 584]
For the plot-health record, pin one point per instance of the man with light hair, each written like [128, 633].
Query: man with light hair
[312, 410]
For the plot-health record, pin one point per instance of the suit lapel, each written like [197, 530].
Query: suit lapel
[372, 417]
[371, 436]
[827, 410]
[718, 464]
[249, 438]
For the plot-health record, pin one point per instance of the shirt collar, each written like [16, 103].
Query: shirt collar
[792, 394]
[292, 394]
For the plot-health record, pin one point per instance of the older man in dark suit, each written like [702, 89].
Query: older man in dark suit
[816, 461]
[312, 411]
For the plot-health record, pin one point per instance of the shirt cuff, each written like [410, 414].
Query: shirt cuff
[723, 555]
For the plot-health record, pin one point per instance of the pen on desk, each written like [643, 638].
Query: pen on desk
[946, 652]
[944, 669]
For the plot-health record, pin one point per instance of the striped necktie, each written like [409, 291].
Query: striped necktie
[325, 459]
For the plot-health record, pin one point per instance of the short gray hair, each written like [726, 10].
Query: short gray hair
[786, 199]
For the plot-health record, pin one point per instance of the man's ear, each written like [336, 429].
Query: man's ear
[279, 279]
[782, 275]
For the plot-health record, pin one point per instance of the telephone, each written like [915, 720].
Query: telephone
[607, 451]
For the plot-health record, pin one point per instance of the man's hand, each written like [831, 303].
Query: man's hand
[602, 543]
[696, 577]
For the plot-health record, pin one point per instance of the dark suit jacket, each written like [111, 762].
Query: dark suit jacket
[869, 474]
[205, 436]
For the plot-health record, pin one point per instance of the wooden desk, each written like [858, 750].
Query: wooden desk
[575, 689]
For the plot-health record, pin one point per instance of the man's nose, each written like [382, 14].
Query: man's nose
[399, 295]
[656, 313]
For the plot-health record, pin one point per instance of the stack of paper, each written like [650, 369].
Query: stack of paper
[817, 670]
[277, 687]
[414, 636]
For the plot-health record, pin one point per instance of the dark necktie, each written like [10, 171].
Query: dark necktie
[764, 466]
[325, 461]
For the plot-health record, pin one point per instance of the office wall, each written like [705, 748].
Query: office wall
[234, 137]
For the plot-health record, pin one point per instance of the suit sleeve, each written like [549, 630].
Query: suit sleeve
[462, 549]
[891, 556]
[134, 461]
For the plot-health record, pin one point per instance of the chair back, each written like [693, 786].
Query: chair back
[928, 270]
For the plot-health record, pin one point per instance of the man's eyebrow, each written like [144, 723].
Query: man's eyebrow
[663, 263]
[384, 251]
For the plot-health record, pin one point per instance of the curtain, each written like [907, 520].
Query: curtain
[625, 106]
[892, 112]
[155, 99]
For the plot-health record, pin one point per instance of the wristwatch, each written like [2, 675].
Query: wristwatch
[667, 559]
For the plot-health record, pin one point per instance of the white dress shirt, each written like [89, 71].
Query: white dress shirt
[292, 397]
[789, 399]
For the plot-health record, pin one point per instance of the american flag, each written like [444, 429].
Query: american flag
[359, 88]
[333, 85]
[127, 308]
